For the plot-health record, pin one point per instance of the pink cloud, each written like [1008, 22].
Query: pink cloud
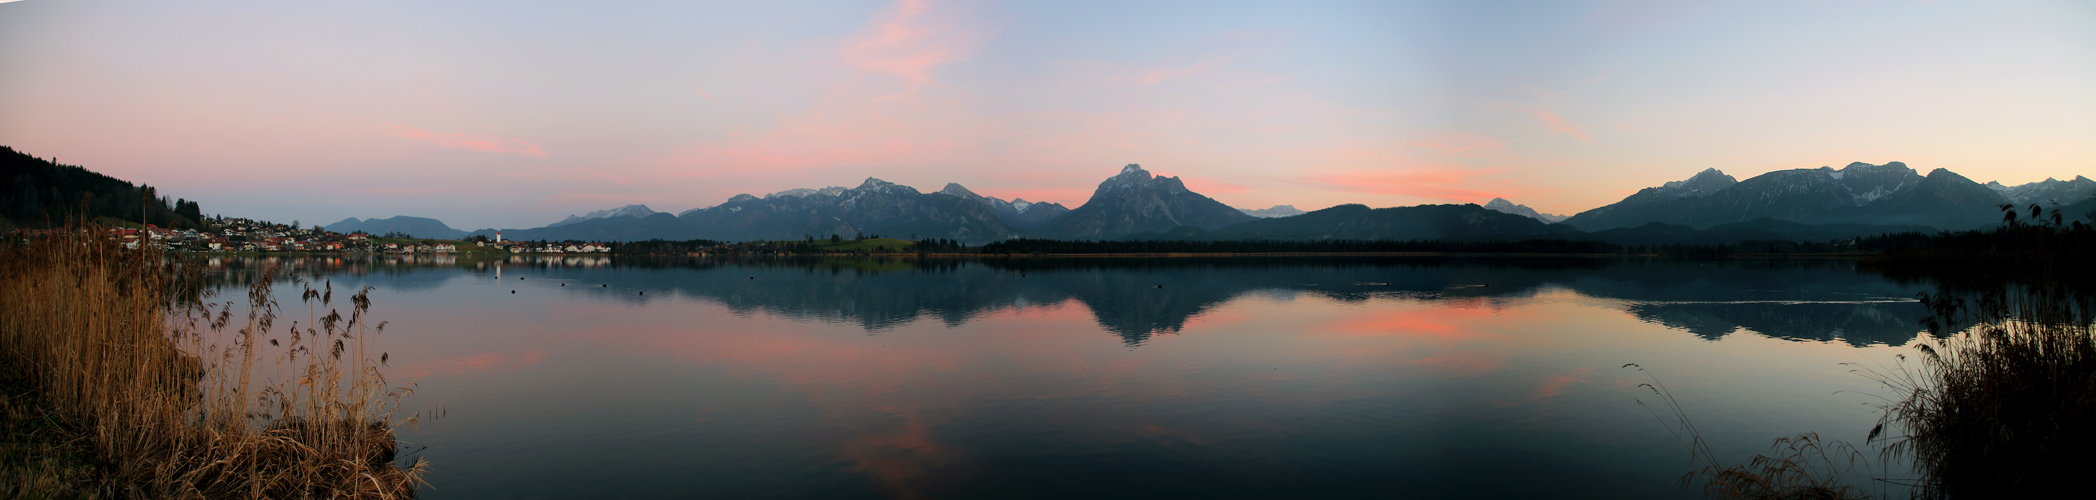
[863, 120]
[1501, 142]
[906, 43]
[476, 142]
[1557, 124]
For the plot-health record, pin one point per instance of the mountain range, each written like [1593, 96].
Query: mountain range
[1810, 204]
[2047, 191]
[632, 211]
[1815, 204]
[1275, 211]
[418, 227]
[1860, 193]
[1501, 205]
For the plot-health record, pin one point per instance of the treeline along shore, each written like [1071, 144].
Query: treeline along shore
[2015, 243]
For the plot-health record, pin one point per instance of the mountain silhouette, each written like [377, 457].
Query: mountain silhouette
[418, 227]
[1135, 202]
[1861, 193]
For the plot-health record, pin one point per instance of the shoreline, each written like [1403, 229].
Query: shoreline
[1050, 255]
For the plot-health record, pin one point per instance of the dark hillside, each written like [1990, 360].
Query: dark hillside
[41, 193]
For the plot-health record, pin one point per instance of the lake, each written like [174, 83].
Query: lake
[1114, 378]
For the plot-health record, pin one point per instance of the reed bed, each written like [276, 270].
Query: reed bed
[2002, 408]
[1998, 404]
[180, 396]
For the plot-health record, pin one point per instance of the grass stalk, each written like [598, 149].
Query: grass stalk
[129, 350]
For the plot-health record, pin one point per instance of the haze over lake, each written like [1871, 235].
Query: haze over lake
[1114, 378]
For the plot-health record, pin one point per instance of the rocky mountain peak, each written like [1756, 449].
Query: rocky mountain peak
[1131, 174]
[1710, 180]
[635, 211]
[2048, 191]
[1888, 166]
[1889, 172]
[872, 183]
[800, 192]
[1133, 201]
[954, 188]
[1501, 205]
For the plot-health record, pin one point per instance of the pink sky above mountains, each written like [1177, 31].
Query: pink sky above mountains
[504, 115]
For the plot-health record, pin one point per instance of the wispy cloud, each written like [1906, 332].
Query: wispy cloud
[476, 142]
[908, 42]
[862, 120]
[1557, 123]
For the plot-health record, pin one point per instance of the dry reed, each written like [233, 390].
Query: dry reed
[2000, 409]
[1799, 468]
[1997, 406]
[171, 391]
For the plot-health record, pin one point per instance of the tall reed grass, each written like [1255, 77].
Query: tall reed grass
[184, 397]
[2001, 409]
[1998, 404]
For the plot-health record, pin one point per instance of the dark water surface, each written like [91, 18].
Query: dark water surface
[1116, 378]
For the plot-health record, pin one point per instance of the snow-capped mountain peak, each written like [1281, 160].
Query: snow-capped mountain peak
[1501, 205]
[634, 211]
[2050, 190]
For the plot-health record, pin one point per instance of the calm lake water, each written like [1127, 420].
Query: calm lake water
[1115, 378]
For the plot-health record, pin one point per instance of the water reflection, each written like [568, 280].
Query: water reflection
[1138, 299]
[1105, 378]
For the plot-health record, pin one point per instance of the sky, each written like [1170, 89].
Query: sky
[515, 114]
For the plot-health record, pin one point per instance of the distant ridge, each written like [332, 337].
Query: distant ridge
[1134, 204]
[418, 227]
[1018, 212]
[1501, 205]
[633, 211]
[2049, 190]
[1275, 211]
[1860, 193]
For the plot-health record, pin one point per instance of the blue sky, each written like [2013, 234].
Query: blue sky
[515, 114]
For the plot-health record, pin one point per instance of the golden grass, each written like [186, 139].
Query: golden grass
[171, 391]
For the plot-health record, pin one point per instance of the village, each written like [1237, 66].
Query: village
[247, 235]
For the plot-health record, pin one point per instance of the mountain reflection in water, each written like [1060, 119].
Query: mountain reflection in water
[1108, 377]
[1819, 300]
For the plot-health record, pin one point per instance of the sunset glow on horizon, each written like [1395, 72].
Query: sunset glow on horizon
[486, 114]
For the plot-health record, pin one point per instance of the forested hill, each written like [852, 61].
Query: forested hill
[36, 192]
